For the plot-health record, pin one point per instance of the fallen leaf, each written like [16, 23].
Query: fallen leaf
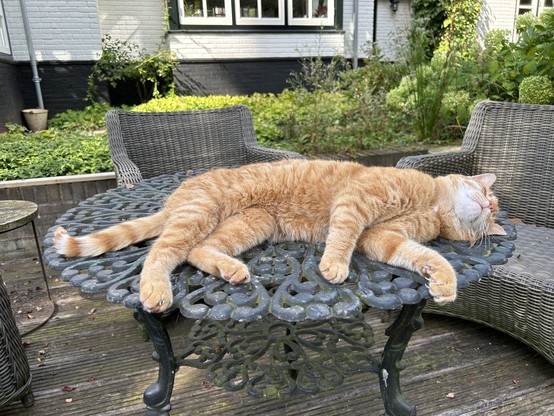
[29, 316]
[42, 352]
[91, 378]
[93, 310]
[451, 395]
[68, 400]
[207, 385]
[515, 381]
[67, 389]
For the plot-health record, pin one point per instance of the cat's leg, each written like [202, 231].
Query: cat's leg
[396, 249]
[345, 226]
[185, 228]
[233, 236]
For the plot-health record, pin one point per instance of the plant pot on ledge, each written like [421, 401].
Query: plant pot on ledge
[36, 118]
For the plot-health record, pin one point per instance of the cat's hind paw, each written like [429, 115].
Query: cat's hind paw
[155, 294]
[334, 271]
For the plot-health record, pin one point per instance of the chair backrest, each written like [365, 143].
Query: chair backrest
[516, 143]
[168, 142]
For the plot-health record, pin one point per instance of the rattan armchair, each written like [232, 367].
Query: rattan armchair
[516, 143]
[143, 145]
[15, 374]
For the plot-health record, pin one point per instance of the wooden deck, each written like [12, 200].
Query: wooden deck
[88, 360]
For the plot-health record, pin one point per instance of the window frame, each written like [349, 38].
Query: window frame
[4, 39]
[260, 21]
[312, 21]
[205, 20]
[178, 22]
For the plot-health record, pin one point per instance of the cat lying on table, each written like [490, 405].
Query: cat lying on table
[385, 213]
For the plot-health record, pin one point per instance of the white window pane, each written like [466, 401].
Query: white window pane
[248, 8]
[205, 12]
[300, 8]
[270, 8]
[193, 8]
[320, 8]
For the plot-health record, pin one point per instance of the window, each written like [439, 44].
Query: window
[311, 12]
[205, 12]
[259, 12]
[4, 42]
[251, 13]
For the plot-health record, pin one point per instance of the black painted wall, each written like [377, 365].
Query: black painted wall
[11, 100]
[63, 85]
[233, 77]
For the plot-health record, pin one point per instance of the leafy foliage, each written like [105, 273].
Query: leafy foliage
[531, 54]
[536, 89]
[125, 61]
[52, 153]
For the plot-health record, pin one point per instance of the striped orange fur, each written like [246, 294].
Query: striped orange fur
[383, 212]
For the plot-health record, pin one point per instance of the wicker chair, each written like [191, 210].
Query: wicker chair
[516, 143]
[15, 375]
[143, 145]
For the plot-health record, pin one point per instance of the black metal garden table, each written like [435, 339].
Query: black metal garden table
[286, 331]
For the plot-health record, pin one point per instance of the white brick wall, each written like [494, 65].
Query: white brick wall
[261, 45]
[365, 26]
[497, 14]
[391, 26]
[62, 30]
[140, 21]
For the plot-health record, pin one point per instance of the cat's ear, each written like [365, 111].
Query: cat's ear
[486, 179]
[495, 229]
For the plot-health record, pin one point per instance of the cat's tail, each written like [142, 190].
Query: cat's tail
[110, 239]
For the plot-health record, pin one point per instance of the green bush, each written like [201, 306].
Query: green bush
[536, 89]
[512, 62]
[52, 152]
[123, 61]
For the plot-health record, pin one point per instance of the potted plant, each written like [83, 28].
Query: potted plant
[133, 75]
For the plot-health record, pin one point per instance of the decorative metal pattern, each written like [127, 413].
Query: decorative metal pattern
[286, 281]
[274, 358]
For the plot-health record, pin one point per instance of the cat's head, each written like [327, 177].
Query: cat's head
[470, 208]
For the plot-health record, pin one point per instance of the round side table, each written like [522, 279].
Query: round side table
[15, 214]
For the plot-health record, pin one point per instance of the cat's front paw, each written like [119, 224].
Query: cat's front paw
[155, 293]
[234, 271]
[335, 271]
[442, 283]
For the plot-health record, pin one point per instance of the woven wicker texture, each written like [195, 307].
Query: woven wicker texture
[15, 375]
[516, 143]
[143, 145]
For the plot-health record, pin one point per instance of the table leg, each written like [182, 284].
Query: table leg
[158, 395]
[40, 259]
[400, 332]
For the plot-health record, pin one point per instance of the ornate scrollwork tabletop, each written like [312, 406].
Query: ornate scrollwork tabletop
[286, 281]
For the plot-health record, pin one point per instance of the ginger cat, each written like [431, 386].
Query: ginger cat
[384, 213]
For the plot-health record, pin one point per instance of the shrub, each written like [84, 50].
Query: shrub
[52, 152]
[536, 89]
[123, 61]
[532, 54]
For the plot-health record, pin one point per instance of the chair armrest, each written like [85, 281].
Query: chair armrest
[440, 163]
[255, 154]
[125, 170]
